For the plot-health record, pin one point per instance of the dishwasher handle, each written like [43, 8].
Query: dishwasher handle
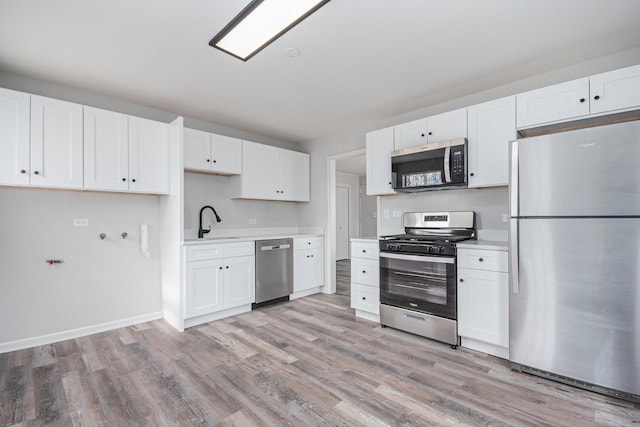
[274, 247]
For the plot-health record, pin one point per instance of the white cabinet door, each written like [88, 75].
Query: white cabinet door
[446, 126]
[308, 269]
[553, 103]
[14, 137]
[204, 287]
[106, 150]
[483, 306]
[410, 134]
[226, 155]
[259, 164]
[56, 143]
[293, 176]
[365, 298]
[379, 149]
[239, 281]
[197, 150]
[615, 90]
[148, 156]
[492, 125]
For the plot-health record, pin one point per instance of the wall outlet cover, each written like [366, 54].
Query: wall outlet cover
[505, 217]
[252, 221]
[397, 214]
[80, 222]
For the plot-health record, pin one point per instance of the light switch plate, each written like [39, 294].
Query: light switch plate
[252, 221]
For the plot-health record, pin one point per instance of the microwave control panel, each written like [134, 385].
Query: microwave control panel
[457, 165]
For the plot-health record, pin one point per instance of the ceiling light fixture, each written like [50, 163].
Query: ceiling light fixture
[260, 23]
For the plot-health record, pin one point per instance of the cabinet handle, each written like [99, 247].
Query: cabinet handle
[596, 97]
[215, 161]
[461, 280]
[36, 173]
[220, 268]
[582, 99]
[364, 271]
[389, 182]
[308, 243]
[471, 174]
[430, 133]
[124, 179]
[364, 251]
[133, 180]
[23, 171]
[480, 259]
[208, 160]
[422, 135]
[364, 298]
[227, 266]
[311, 256]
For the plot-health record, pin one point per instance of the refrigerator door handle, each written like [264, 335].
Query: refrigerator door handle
[513, 252]
[513, 184]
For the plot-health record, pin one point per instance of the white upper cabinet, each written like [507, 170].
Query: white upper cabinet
[106, 150]
[378, 152]
[56, 143]
[148, 156]
[272, 173]
[492, 125]
[615, 90]
[449, 125]
[553, 103]
[14, 137]
[410, 134]
[207, 152]
[441, 127]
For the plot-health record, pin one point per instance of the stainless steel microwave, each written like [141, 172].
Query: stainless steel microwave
[433, 166]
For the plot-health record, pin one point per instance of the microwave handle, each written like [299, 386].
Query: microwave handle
[447, 161]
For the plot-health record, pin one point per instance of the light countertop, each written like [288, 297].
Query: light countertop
[234, 239]
[495, 245]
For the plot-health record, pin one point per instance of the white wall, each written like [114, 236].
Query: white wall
[216, 191]
[100, 281]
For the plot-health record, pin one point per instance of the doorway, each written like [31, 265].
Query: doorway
[346, 169]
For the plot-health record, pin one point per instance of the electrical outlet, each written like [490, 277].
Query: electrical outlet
[80, 222]
[505, 217]
[252, 221]
[386, 214]
[397, 214]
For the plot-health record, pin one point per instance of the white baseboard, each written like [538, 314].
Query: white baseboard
[484, 347]
[369, 316]
[304, 293]
[76, 333]
[193, 321]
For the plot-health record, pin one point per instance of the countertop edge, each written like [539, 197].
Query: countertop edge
[495, 245]
[241, 239]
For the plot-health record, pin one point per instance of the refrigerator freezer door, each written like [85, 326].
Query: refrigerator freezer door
[585, 172]
[578, 307]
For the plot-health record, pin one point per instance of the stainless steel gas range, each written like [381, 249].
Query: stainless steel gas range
[418, 274]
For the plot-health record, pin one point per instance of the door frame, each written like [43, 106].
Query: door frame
[330, 236]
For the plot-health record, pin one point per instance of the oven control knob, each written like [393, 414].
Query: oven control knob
[440, 249]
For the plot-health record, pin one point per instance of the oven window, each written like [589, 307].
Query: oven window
[427, 286]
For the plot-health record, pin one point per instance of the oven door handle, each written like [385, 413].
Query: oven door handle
[420, 258]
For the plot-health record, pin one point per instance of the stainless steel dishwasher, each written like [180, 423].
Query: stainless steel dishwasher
[274, 271]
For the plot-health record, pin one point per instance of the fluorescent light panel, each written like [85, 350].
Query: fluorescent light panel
[260, 23]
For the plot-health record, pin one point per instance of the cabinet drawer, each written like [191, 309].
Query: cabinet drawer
[239, 249]
[364, 250]
[365, 298]
[302, 243]
[365, 271]
[482, 259]
[204, 252]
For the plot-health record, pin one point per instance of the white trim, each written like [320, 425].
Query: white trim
[349, 219]
[305, 293]
[330, 235]
[76, 333]
[206, 318]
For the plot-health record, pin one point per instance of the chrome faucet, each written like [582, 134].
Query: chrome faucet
[201, 231]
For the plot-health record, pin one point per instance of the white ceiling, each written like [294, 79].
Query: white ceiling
[361, 61]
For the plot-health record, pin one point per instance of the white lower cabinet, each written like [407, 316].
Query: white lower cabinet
[365, 279]
[483, 300]
[308, 266]
[220, 278]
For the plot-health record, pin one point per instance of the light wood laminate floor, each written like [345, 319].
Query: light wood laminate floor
[343, 277]
[306, 362]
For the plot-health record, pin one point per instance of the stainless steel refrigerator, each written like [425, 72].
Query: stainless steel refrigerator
[574, 303]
